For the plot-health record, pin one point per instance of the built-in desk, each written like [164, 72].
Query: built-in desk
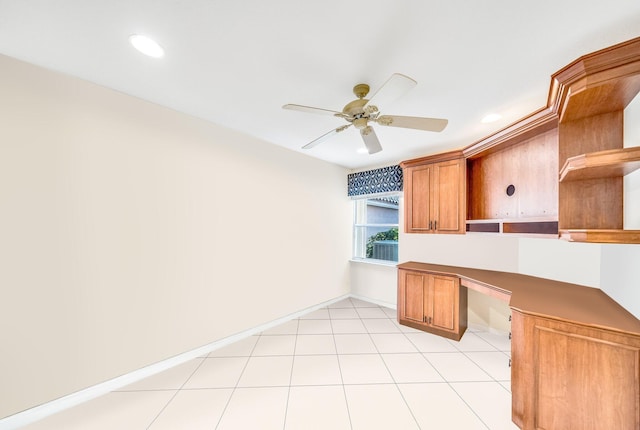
[575, 351]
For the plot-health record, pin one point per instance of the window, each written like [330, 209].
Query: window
[375, 228]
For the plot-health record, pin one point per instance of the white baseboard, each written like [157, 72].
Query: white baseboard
[374, 301]
[37, 413]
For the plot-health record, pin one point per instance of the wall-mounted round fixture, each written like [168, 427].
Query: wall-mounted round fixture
[511, 190]
[146, 45]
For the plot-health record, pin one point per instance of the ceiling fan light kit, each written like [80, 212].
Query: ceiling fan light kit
[361, 111]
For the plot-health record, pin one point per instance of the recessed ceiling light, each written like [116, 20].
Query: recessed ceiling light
[492, 117]
[146, 45]
[362, 151]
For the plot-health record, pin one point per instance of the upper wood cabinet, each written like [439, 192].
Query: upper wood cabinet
[559, 171]
[434, 194]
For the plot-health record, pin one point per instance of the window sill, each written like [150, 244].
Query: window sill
[374, 262]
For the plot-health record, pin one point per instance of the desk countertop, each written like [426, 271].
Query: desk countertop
[544, 297]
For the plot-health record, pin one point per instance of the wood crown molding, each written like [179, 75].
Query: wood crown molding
[538, 122]
[575, 92]
[435, 158]
[575, 89]
[617, 66]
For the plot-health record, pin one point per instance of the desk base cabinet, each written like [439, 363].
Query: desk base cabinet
[569, 376]
[433, 303]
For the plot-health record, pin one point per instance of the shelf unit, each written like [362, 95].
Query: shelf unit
[590, 96]
[613, 163]
[512, 184]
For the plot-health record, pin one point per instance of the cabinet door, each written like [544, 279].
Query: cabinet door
[443, 302]
[568, 376]
[413, 296]
[435, 199]
[418, 199]
[432, 302]
[448, 195]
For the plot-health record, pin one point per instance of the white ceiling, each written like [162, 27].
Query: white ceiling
[235, 63]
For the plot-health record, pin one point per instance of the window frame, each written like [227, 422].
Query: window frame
[358, 251]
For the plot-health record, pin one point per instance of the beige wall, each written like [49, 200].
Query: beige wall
[375, 282]
[130, 233]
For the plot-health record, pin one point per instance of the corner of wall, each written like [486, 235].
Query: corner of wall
[577, 263]
[620, 272]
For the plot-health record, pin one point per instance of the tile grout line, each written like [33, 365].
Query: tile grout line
[203, 359]
[391, 374]
[447, 381]
[487, 373]
[293, 361]
[344, 390]
[480, 367]
[224, 410]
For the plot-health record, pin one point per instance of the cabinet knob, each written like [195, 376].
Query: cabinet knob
[435, 225]
[430, 225]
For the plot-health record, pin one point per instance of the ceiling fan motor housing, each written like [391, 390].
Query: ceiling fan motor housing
[356, 113]
[360, 123]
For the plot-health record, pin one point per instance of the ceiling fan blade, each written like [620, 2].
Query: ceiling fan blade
[310, 109]
[418, 123]
[325, 136]
[395, 87]
[370, 140]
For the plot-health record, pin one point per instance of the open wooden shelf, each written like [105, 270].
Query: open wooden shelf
[601, 236]
[601, 164]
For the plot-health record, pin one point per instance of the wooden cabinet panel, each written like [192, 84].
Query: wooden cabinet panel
[579, 378]
[592, 203]
[447, 191]
[567, 376]
[530, 166]
[419, 204]
[414, 297]
[435, 198]
[444, 296]
[433, 303]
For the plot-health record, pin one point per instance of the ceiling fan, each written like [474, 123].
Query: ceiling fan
[361, 111]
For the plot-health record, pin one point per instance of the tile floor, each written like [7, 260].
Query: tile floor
[347, 366]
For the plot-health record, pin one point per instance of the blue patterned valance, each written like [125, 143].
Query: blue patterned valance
[377, 181]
